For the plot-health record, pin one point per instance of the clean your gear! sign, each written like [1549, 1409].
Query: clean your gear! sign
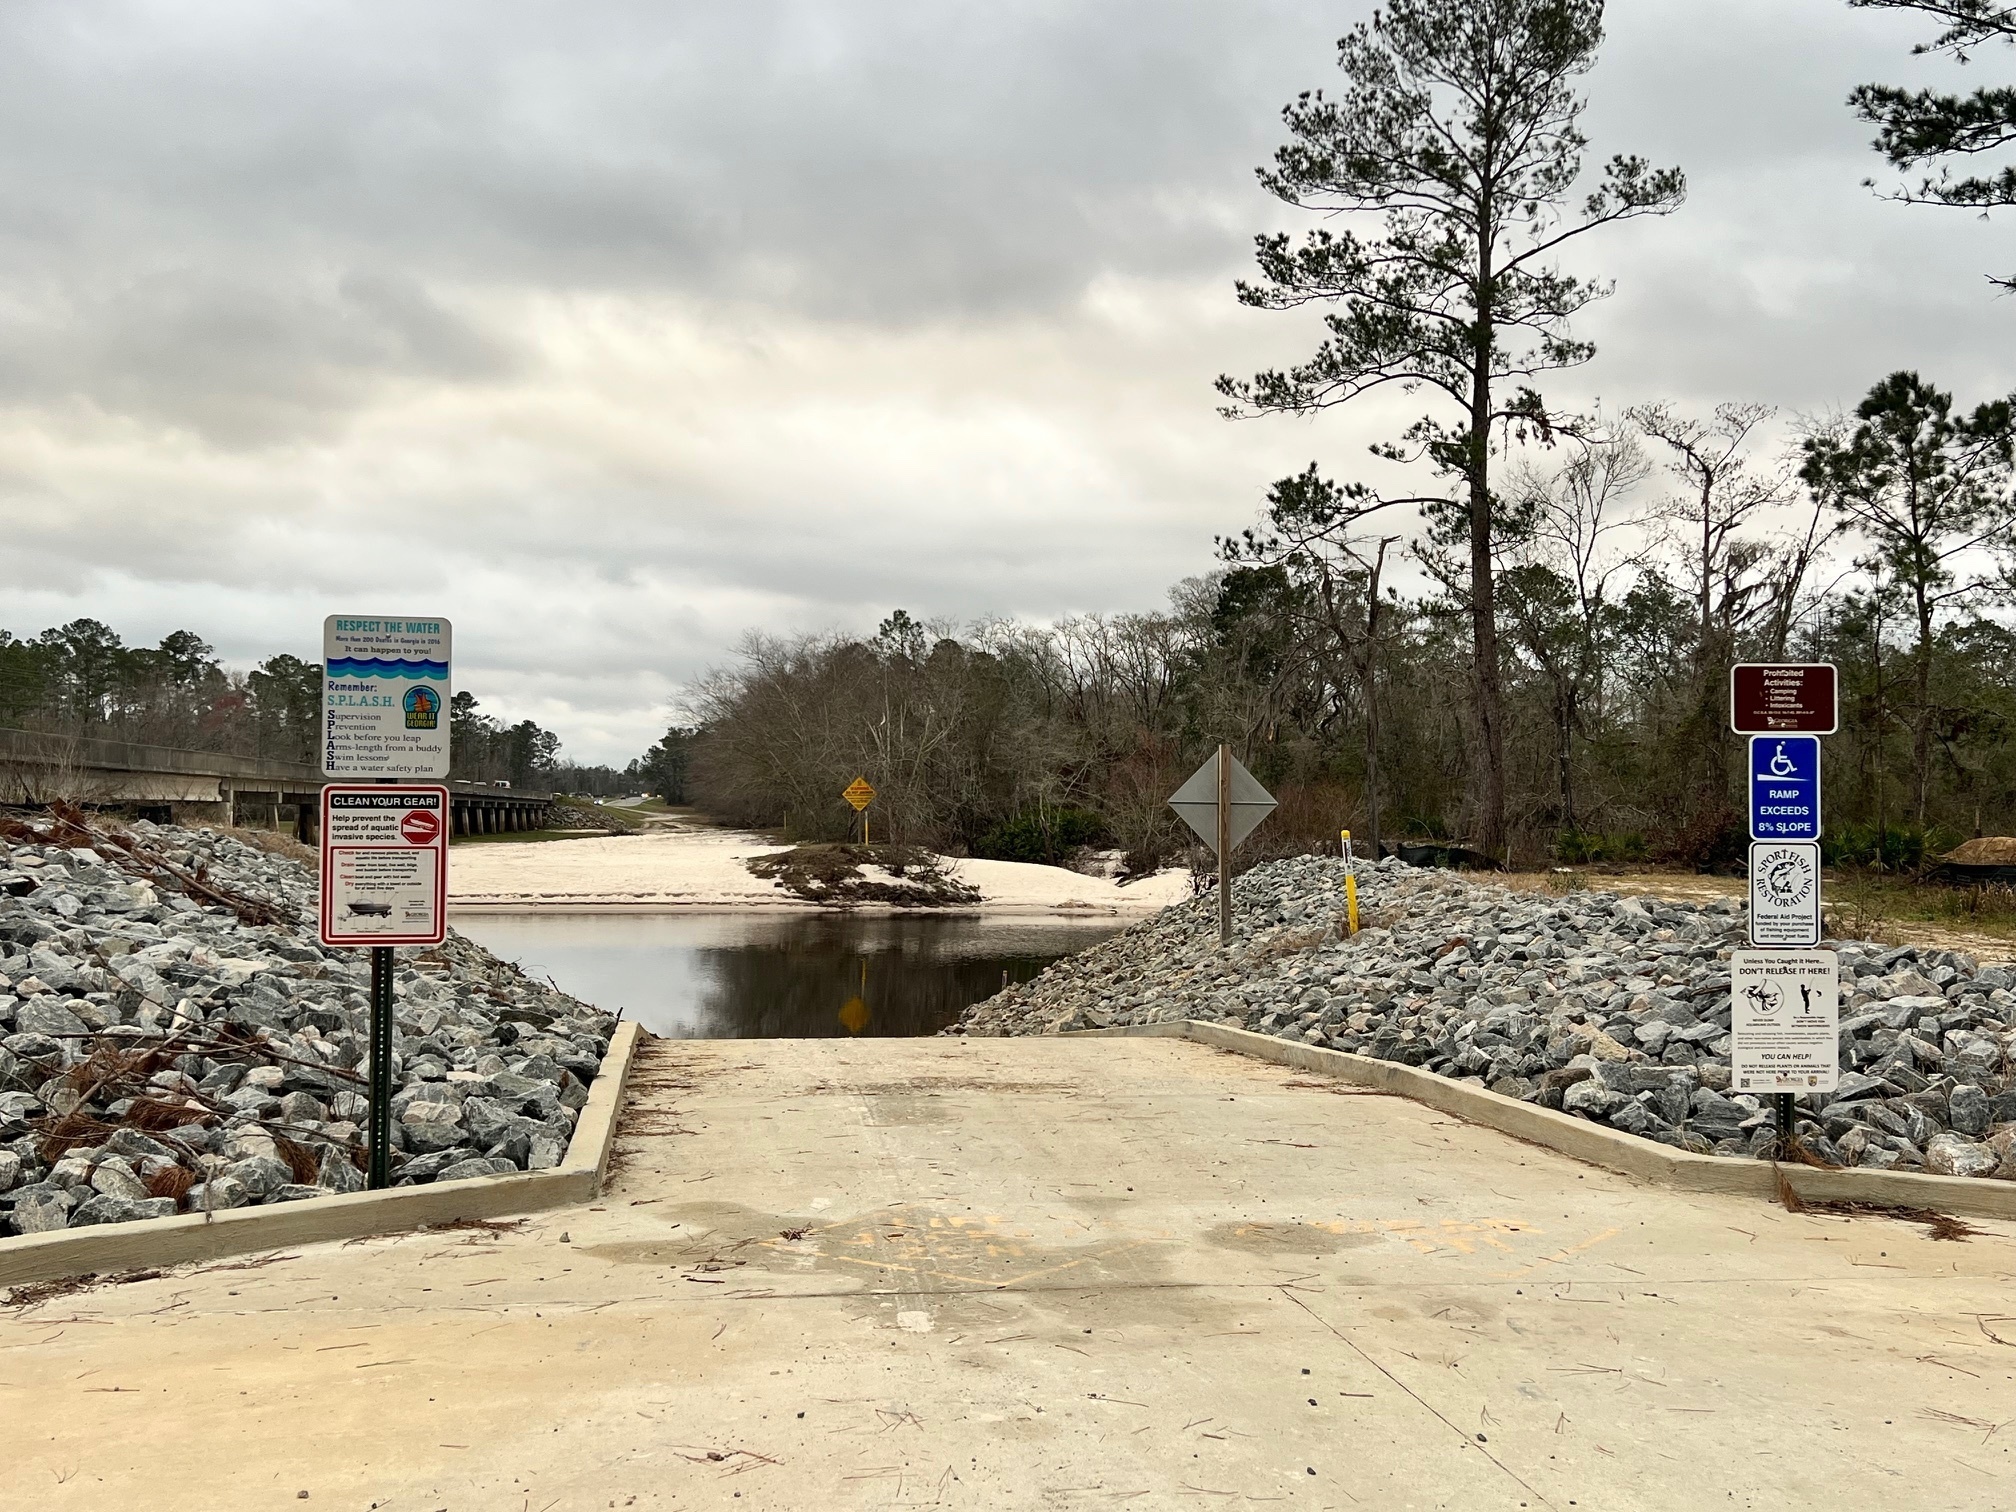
[384, 864]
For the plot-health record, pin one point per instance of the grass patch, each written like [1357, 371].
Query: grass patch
[1865, 903]
[913, 877]
[575, 814]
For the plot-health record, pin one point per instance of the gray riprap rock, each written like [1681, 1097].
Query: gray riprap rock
[480, 1165]
[72, 1170]
[338, 1172]
[41, 1209]
[1951, 1155]
[261, 1175]
[431, 1127]
[302, 1108]
[143, 978]
[50, 1016]
[489, 1120]
[1854, 1084]
[218, 1193]
[114, 1178]
[1591, 1097]
[1478, 983]
[98, 955]
[135, 1145]
[426, 1167]
[107, 1209]
[1968, 1110]
[1651, 1037]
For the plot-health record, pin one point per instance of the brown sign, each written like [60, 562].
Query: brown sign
[1768, 699]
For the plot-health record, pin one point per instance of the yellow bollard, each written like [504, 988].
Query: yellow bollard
[1350, 885]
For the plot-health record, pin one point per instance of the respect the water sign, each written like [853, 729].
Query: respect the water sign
[385, 697]
[1784, 787]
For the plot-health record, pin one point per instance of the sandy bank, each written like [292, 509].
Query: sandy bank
[702, 868]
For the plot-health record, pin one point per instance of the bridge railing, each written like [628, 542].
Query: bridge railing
[177, 785]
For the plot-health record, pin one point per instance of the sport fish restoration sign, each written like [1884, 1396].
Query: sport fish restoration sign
[1785, 894]
[1785, 1020]
[385, 697]
[384, 864]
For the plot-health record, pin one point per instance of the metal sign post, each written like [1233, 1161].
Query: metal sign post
[385, 717]
[384, 883]
[1784, 993]
[378, 1136]
[1225, 845]
[1223, 803]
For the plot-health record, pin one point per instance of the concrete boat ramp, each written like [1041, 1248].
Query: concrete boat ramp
[1050, 1273]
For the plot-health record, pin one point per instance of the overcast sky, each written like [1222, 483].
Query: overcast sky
[611, 330]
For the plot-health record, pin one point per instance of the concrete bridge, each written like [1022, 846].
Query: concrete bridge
[170, 785]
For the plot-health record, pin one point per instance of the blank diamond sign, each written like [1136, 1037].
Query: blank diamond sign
[1197, 801]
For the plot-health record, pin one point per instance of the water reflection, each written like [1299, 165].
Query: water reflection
[762, 976]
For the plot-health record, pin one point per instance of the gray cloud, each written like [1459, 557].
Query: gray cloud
[628, 325]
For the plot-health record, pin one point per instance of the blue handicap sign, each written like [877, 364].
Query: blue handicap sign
[1784, 787]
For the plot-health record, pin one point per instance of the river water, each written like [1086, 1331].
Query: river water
[782, 976]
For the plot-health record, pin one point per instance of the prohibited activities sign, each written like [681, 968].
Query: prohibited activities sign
[384, 864]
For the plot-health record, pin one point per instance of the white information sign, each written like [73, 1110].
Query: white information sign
[385, 864]
[1785, 1021]
[1785, 894]
[385, 697]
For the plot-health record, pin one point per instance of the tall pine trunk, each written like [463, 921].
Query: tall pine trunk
[1921, 734]
[1487, 700]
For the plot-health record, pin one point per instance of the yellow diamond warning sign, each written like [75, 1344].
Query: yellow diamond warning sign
[859, 794]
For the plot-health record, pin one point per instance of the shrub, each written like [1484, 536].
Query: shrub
[833, 874]
[1889, 847]
[1575, 848]
[1044, 837]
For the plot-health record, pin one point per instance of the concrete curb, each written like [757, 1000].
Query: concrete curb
[193, 1236]
[1611, 1149]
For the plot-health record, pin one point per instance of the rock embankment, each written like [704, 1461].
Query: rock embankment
[1612, 1009]
[172, 1037]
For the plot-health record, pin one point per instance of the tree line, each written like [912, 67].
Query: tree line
[83, 680]
[1559, 686]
